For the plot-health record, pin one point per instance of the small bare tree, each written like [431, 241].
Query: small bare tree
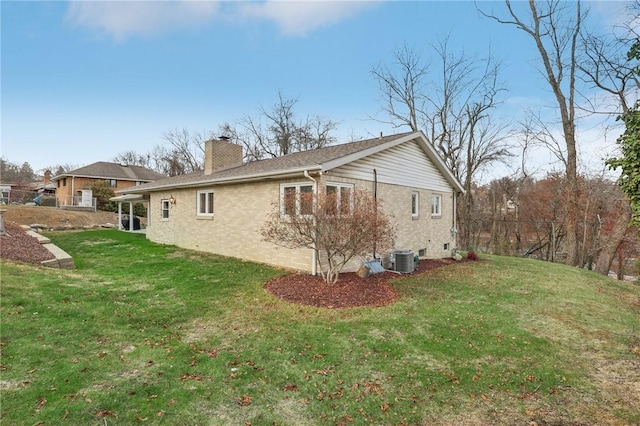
[338, 226]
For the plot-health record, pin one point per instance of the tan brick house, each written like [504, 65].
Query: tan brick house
[222, 209]
[71, 186]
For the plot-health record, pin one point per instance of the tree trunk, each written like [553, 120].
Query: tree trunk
[609, 249]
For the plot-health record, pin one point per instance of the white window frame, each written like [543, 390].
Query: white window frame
[297, 186]
[415, 204]
[436, 205]
[339, 187]
[209, 203]
[165, 205]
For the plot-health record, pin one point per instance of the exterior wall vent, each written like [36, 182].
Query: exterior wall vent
[403, 261]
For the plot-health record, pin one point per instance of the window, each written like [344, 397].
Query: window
[296, 199]
[415, 204]
[138, 183]
[111, 183]
[205, 203]
[343, 194]
[436, 205]
[64, 181]
[165, 209]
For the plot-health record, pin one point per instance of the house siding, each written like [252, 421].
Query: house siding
[397, 166]
[239, 213]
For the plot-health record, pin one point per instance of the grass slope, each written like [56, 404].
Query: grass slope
[143, 333]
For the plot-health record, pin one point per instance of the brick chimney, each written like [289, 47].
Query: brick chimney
[47, 176]
[220, 154]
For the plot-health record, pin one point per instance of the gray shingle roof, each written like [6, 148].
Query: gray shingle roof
[322, 158]
[106, 170]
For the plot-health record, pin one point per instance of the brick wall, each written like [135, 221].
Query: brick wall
[240, 211]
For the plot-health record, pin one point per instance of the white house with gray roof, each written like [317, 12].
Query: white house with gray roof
[222, 209]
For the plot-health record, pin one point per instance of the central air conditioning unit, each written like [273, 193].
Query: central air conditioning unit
[403, 261]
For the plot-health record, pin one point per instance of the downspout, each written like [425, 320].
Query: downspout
[314, 258]
[454, 230]
[73, 185]
[375, 206]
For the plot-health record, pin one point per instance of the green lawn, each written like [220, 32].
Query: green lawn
[142, 333]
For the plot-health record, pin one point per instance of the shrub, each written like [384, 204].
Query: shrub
[472, 255]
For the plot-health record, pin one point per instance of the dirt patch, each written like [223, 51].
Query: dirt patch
[53, 217]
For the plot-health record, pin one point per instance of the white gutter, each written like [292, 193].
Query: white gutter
[314, 259]
[232, 179]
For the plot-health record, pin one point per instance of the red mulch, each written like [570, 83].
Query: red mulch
[350, 291]
[19, 246]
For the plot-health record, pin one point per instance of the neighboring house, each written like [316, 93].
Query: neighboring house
[222, 209]
[5, 193]
[45, 186]
[74, 188]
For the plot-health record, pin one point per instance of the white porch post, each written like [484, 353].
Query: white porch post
[130, 216]
[120, 215]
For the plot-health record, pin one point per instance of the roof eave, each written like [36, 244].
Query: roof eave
[225, 180]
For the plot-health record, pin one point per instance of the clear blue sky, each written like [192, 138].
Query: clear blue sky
[84, 81]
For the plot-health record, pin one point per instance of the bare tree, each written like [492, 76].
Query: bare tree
[16, 173]
[338, 228]
[277, 131]
[554, 27]
[454, 112]
[132, 158]
[185, 148]
[403, 88]
[182, 152]
[608, 67]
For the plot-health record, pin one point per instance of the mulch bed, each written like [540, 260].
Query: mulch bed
[350, 291]
[19, 246]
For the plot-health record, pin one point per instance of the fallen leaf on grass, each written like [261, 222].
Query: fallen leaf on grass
[290, 387]
[41, 403]
[105, 413]
[244, 400]
[139, 418]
